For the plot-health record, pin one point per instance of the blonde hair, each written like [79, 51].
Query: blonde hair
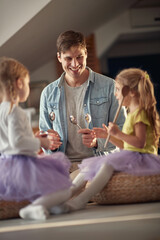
[10, 71]
[139, 81]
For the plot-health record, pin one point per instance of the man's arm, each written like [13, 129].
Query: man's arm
[44, 121]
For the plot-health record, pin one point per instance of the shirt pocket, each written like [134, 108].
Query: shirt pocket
[99, 107]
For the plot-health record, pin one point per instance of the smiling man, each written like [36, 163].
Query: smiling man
[78, 92]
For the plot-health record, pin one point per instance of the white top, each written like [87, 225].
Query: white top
[16, 136]
[76, 150]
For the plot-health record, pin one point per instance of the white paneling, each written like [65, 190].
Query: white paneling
[14, 14]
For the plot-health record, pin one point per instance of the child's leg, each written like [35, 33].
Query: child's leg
[96, 185]
[39, 209]
[53, 199]
[78, 183]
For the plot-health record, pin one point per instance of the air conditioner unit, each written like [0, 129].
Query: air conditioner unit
[145, 17]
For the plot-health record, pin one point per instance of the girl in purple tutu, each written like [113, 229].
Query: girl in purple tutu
[139, 140]
[43, 180]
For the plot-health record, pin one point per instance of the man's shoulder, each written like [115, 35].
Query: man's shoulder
[51, 86]
[103, 80]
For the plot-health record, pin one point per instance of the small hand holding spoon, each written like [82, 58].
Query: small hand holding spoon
[125, 91]
[88, 119]
[74, 121]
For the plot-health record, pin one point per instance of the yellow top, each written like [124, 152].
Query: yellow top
[128, 128]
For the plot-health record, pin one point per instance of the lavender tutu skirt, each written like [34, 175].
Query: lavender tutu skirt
[27, 178]
[124, 161]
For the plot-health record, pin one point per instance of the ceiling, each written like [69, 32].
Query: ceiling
[35, 43]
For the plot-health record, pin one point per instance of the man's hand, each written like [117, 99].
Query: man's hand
[88, 138]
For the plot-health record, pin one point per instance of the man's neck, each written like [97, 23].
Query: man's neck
[76, 82]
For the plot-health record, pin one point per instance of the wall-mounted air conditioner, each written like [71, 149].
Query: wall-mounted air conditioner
[145, 17]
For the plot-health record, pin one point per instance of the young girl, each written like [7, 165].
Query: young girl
[139, 140]
[43, 180]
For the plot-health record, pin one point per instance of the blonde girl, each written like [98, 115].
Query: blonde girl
[138, 139]
[43, 180]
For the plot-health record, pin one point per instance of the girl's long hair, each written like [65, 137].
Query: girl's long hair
[10, 71]
[140, 81]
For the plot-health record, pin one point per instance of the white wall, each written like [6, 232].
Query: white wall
[108, 45]
[107, 34]
[46, 72]
[14, 14]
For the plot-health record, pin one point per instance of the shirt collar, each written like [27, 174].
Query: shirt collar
[90, 78]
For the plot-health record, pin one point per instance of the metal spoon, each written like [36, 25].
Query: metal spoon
[74, 121]
[88, 119]
[52, 116]
[125, 91]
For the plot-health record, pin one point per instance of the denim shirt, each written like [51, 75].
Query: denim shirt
[99, 102]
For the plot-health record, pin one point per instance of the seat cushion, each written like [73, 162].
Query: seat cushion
[125, 188]
[10, 209]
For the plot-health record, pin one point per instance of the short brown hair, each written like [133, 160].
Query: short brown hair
[69, 39]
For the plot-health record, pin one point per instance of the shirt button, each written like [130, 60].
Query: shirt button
[85, 105]
[97, 101]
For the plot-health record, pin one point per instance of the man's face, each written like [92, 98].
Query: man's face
[73, 61]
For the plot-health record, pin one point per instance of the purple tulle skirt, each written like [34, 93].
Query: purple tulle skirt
[27, 178]
[124, 161]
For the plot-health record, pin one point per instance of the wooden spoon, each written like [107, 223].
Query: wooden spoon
[125, 91]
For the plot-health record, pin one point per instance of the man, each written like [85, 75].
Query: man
[79, 91]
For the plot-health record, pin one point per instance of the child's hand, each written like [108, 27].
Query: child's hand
[37, 134]
[45, 142]
[53, 139]
[101, 132]
[113, 129]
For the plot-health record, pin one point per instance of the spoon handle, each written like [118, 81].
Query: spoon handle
[125, 90]
[78, 126]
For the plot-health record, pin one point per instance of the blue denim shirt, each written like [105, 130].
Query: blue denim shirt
[99, 102]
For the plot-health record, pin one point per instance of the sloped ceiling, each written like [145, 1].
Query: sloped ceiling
[35, 43]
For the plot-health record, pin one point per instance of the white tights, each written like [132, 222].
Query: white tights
[96, 185]
[40, 208]
[54, 202]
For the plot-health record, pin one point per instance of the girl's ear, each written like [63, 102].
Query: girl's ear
[19, 83]
[132, 93]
